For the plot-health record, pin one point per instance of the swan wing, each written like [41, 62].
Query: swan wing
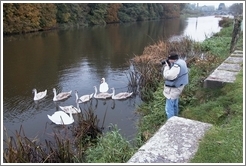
[108, 95]
[70, 108]
[40, 95]
[56, 117]
[66, 109]
[86, 98]
[125, 94]
[63, 95]
[60, 117]
[122, 95]
[104, 95]
[53, 120]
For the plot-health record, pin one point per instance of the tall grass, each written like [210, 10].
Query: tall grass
[110, 148]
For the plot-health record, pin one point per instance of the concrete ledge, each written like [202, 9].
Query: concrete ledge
[237, 52]
[226, 72]
[175, 142]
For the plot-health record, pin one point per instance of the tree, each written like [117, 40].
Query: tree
[236, 8]
[21, 17]
[221, 6]
[48, 16]
[97, 13]
[112, 13]
[171, 10]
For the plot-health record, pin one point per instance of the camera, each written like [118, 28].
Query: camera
[164, 61]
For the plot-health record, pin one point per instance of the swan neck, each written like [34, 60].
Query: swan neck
[77, 97]
[95, 90]
[113, 92]
[71, 115]
[54, 91]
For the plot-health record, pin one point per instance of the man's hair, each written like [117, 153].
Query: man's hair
[173, 56]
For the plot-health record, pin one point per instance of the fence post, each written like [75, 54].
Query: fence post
[236, 32]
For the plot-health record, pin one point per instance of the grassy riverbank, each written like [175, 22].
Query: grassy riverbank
[221, 107]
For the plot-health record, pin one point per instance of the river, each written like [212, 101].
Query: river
[77, 59]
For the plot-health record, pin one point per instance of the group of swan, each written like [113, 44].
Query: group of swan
[62, 117]
[103, 89]
[59, 117]
[40, 95]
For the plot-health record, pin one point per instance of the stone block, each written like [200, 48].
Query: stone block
[175, 142]
[230, 67]
[234, 60]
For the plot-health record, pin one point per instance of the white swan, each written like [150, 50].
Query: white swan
[71, 108]
[121, 95]
[104, 95]
[61, 96]
[103, 86]
[83, 98]
[60, 118]
[39, 95]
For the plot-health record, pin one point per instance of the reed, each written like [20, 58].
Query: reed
[147, 68]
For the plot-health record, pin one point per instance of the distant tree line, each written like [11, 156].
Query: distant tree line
[31, 17]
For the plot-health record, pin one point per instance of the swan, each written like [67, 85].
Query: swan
[103, 86]
[104, 95]
[71, 108]
[83, 98]
[61, 96]
[60, 118]
[121, 95]
[39, 95]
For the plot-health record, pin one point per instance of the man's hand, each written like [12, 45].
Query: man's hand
[168, 63]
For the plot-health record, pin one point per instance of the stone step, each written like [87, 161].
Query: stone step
[175, 142]
[226, 72]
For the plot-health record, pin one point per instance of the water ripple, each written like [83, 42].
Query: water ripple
[23, 108]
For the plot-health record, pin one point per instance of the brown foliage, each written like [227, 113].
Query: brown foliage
[153, 53]
[112, 13]
[225, 22]
[159, 51]
[171, 10]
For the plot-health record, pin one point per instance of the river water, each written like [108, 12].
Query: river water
[77, 59]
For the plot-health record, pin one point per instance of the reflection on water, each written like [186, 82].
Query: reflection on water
[200, 28]
[77, 59]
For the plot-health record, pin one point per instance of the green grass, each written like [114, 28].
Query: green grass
[111, 148]
[224, 142]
